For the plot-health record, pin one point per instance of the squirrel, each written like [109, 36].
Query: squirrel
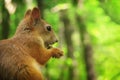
[31, 47]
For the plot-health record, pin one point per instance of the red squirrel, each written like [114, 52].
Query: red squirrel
[22, 55]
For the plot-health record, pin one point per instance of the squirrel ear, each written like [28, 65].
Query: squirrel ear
[35, 14]
[27, 13]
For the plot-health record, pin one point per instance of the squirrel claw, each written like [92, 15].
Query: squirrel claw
[57, 53]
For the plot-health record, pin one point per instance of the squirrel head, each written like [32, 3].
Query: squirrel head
[33, 25]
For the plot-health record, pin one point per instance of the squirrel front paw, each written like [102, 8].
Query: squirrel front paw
[56, 53]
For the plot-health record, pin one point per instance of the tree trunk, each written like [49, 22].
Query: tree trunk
[68, 31]
[85, 42]
[87, 49]
[5, 22]
[41, 7]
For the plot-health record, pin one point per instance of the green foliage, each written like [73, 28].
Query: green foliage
[52, 3]
[100, 19]
[112, 9]
[1, 4]
[0, 22]
[105, 37]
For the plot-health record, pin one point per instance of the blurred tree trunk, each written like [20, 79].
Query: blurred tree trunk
[5, 22]
[68, 31]
[85, 43]
[41, 6]
[87, 49]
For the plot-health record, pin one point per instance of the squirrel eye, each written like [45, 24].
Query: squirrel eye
[49, 28]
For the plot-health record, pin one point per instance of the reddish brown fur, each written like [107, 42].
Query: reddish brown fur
[22, 55]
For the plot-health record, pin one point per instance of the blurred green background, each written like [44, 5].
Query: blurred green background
[88, 31]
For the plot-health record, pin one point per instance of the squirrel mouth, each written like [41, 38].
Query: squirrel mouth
[49, 45]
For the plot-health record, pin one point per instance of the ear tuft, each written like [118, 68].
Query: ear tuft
[35, 13]
[27, 13]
